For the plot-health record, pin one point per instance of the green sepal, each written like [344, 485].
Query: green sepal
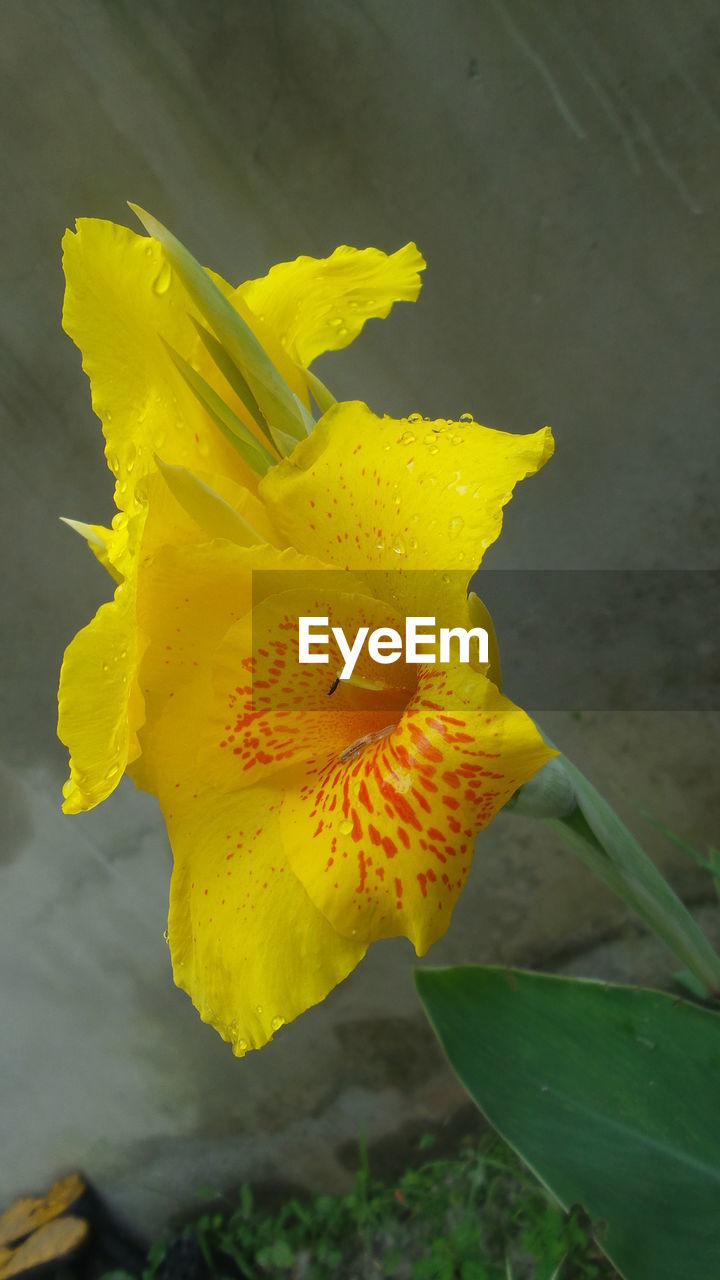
[324, 399]
[278, 439]
[205, 506]
[277, 401]
[232, 427]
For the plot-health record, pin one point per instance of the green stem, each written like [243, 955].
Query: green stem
[589, 825]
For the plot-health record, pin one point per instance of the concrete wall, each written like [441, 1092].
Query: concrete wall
[557, 164]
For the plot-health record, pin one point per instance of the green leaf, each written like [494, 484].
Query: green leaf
[232, 427]
[608, 1093]
[278, 403]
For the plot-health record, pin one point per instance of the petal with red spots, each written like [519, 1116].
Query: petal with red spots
[382, 837]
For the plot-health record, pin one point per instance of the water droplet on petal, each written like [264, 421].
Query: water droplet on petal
[414, 417]
[166, 936]
[466, 417]
[399, 547]
[277, 1023]
[258, 1008]
[456, 526]
[407, 437]
[345, 827]
[161, 283]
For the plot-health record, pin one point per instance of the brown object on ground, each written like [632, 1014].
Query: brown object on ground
[30, 1212]
[51, 1244]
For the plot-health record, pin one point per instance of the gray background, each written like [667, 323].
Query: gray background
[557, 163]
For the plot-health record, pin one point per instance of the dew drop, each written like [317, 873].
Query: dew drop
[433, 448]
[345, 827]
[106, 666]
[258, 1008]
[399, 547]
[412, 543]
[466, 417]
[456, 526]
[277, 1023]
[166, 936]
[456, 439]
[148, 251]
[407, 437]
[161, 283]
[111, 773]
[130, 458]
[241, 1048]
[414, 417]
[336, 322]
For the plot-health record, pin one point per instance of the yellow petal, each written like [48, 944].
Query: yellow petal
[247, 944]
[373, 493]
[321, 304]
[99, 706]
[268, 712]
[121, 298]
[189, 597]
[382, 837]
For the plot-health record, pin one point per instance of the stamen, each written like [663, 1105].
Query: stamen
[357, 747]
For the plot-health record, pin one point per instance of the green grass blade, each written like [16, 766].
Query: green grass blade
[277, 401]
[232, 427]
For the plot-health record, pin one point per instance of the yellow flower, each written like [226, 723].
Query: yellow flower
[302, 827]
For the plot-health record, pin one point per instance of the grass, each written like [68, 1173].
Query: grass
[476, 1216]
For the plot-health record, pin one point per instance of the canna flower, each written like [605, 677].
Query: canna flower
[303, 827]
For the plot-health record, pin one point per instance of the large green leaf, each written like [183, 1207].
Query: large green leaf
[610, 1094]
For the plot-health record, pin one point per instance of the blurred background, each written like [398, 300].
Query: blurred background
[558, 166]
